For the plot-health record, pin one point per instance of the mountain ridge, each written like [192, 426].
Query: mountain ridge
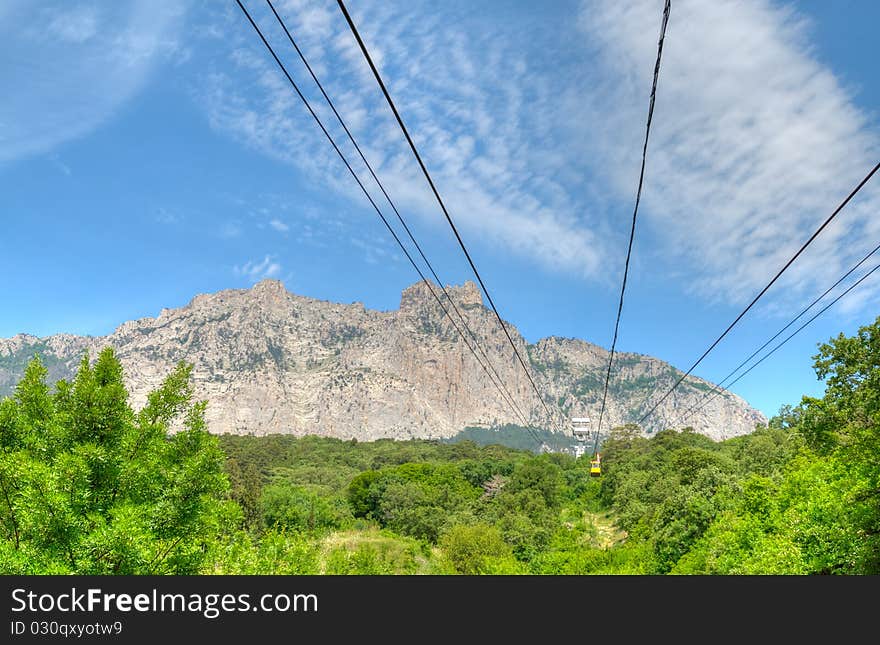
[271, 361]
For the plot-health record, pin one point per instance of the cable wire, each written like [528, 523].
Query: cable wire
[632, 232]
[360, 184]
[790, 336]
[720, 384]
[427, 175]
[766, 288]
[394, 208]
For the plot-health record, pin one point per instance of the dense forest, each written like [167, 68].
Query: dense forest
[88, 485]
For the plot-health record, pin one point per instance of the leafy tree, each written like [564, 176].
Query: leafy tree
[788, 417]
[364, 493]
[298, 508]
[766, 450]
[88, 485]
[469, 548]
[408, 508]
[416, 499]
[274, 552]
[246, 485]
[811, 506]
[539, 477]
[524, 519]
[845, 425]
[680, 521]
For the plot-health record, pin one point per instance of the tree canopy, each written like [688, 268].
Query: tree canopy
[89, 486]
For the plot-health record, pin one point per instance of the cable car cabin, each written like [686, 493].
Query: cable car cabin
[595, 466]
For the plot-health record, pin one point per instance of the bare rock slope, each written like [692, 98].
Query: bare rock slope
[269, 361]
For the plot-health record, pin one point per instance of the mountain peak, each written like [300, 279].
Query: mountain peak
[269, 286]
[468, 293]
[269, 361]
[419, 294]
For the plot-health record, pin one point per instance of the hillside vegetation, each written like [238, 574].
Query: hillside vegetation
[88, 485]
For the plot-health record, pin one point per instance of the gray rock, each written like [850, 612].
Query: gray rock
[269, 361]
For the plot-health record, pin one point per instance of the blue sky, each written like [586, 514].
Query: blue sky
[150, 151]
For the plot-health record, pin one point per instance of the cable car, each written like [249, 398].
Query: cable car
[580, 428]
[596, 466]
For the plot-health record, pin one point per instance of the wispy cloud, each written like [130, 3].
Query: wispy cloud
[75, 64]
[167, 216]
[478, 116]
[754, 141]
[374, 249]
[63, 167]
[76, 25]
[278, 225]
[536, 151]
[256, 270]
[230, 229]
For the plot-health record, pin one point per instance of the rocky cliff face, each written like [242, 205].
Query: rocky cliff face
[269, 361]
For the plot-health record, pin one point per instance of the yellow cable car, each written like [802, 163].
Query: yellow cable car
[596, 466]
[580, 429]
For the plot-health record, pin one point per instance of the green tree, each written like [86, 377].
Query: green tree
[415, 499]
[246, 487]
[297, 508]
[471, 549]
[364, 493]
[846, 423]
[539, 476]
[89, 486]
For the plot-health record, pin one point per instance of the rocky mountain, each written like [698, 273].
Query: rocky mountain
[270, 361]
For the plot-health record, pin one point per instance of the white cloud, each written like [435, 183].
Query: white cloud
[230, 229]
[256, 270]
[476, 115]
[375, 249]
[74, 65]
[753, 144]
[754, 141]
[63, 167]
[278, 225]
[75, 25]
[167, 216]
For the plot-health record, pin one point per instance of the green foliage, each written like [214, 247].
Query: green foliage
[765, 451]
[276, 552]
[87, 486]
[514, 436]
[807, 501]
[537, 477]
[246, 484]
[474, 548]
[298, 508]
[365, 493]
[526, 510]
[668, 491]
[373, 552]
[412, 499]
[366, 560]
